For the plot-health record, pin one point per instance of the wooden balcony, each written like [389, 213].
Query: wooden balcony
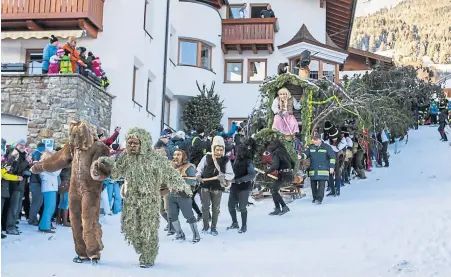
[248, 34]
[41, 15]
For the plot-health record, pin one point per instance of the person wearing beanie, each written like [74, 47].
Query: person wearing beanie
[338, 145]
[322, 165]
[75, 60]
[88, 61]
[163, 143]
[214, 172]
[49, 50]
[35, 188]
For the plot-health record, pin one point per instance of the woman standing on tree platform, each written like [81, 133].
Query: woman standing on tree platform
[282, 162]
[243, 169]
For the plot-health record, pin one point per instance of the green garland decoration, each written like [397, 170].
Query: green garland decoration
[263, 138]
[271, 85]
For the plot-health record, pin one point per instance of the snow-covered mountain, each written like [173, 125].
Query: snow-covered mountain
[395, 223]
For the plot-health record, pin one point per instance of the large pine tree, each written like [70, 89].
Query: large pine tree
[204, 110]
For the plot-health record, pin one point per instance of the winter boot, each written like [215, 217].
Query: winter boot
[285, 210]
[233, 226]
[338, 184]
[243, 223]
[171, 230]
[3, 236]
[276, 211]
[165, 216]
[95, 261]
[145, 265]
[80, 260]
[196, 235]
[178, 229]
[213, 231]
[361, 174]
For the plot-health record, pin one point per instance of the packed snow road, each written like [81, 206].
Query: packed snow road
[395, 223]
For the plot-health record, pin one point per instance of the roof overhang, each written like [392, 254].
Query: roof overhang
[321, 52]
[42, 34]
[339, 20]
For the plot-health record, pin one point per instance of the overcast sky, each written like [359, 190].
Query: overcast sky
[365, 7]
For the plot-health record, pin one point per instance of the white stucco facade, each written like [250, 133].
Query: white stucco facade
[124, 44]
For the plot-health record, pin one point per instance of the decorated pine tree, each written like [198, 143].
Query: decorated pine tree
[204, 110]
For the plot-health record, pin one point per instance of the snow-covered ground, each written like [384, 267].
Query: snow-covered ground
[395, 223]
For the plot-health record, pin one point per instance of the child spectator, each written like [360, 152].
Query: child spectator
[96, 67]
[54, 64]
[65, 64]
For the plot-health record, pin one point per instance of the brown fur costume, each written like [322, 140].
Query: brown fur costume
[89, 168]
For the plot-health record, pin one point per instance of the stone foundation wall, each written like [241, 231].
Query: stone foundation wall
[51, 102]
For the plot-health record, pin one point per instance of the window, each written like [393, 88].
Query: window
[237, 11]
[318, 69]
[33, 60]
[135, 71]
[149, 83]
[148, 8]
[329, 71]
[233, 72]
[256, 9]
[256, 70]
[167, 111]
[195, 53]
[314, 67]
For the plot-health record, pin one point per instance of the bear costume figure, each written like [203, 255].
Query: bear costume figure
[90, 167]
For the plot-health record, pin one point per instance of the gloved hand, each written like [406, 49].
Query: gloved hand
[221, 177]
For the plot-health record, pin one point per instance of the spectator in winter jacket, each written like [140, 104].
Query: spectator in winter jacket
[442, 122]
[49, 50]
[49, 189]
[54, 64]
[114, 195]
[112, 139]
[230, 133]
[19, 166]
[65, 63]
[434, 112]
[322, 164]
[6, 178]
[384, 138]
[338, 145]
[163, 143]
[198, 146]
[177, 142]
[35, 188]
[88, 61]
[75, 60]
[63, 191]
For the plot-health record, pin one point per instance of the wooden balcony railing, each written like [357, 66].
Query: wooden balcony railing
[248, 34]
[47, 14]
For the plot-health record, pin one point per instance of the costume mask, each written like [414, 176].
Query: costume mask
[219, 152]
[80, 135]
[134, 146]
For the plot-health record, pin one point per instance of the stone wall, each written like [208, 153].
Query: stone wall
[51, 102]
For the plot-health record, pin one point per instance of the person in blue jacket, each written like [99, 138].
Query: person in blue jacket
[229, 133]
[434, 112]
[49, 50]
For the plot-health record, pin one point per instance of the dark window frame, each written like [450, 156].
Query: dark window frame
[149, 81]
[146, 2]
[135, 70]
